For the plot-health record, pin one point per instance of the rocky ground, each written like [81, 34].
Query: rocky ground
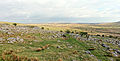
[31, 43]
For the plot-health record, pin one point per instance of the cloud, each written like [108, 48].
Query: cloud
[40, 10]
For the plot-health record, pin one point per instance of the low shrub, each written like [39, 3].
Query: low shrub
[72, 32]
[110, 36]
[97, 35]
[103, 35]
[42, 27]
[15, 24]
[67, 31]
[83, 33]
[61, 31]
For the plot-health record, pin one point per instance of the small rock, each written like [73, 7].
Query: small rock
[58, 46]
[87, 52]
[70, 47]
[30, 43]
[36, 40]
[58, 41]
[73, 60]
[92, 55]
[119, 45]
[104, 45]
[21, 40]
[118, 51]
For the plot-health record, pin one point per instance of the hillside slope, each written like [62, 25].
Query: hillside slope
[31, 43]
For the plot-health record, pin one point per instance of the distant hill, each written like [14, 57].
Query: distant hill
[5, 22]
[73, 23]
[10, 23]
[113, 24]
[118, 22]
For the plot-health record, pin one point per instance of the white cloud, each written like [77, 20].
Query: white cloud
[37, 9]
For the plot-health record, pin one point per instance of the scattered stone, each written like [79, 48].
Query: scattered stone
[58, 46]
[118, 51]
[87, 52]
[21, 40]
[10, 42]
[104, 45]
[70, 46]
[58, 41]
[73, 60]
[35, 40]
[1, 39]
[119, 45]
[17, 38]
[114, 55]
[48, 48]
[31, 43]
[92, 55]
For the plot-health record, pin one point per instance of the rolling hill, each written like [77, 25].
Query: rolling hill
[51, 42]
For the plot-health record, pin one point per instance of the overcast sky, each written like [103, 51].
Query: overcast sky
[68, 11]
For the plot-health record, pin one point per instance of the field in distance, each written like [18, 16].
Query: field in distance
[102, 29]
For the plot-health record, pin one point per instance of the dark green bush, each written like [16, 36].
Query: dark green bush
[116, 37]
[32, 26]
[64, 35]
[110, 36]
[103, 35]
[61, 31]
[67, 31]
[77, 32]
[72, 32]
[97, 35]
[15, 24]
[42, 27]
[118, 59]
[83, 33]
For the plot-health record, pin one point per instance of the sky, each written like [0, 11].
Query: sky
[60, 11]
